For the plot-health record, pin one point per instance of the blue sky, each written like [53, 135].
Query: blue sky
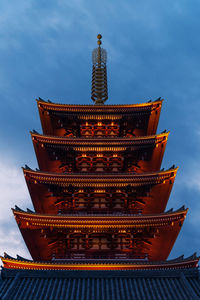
[153, 50]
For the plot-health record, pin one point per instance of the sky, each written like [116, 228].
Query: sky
[153, 51]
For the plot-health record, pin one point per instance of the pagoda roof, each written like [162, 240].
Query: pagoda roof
[92, 264]
[100, 142]
[170, 284]
[167, 226]
[78, 108]
[157, 185]
[50, 113]
[155, 145]
[103, 180]
[107, 221]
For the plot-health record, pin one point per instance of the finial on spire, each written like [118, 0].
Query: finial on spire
[99, 36]
[99, 74]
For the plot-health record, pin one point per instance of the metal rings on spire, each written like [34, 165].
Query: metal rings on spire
[99, 74]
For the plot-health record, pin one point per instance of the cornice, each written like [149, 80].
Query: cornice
[72, 108]
[100, 221]
[101, 179]
[21, 263]
[100, 142]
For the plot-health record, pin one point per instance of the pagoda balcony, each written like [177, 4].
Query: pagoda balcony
[100, 213]
[101, 257]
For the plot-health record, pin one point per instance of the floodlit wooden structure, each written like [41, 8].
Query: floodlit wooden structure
[100, 198]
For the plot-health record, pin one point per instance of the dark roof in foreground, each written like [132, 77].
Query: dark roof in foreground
[99, 285]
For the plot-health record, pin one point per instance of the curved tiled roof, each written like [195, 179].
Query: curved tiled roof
[136, 264]
[103, 179]
[98, 108]
[144, 140]
[103, 285]
[38, 220]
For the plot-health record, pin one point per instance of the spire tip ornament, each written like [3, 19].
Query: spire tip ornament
[99, 42]
[99, 74]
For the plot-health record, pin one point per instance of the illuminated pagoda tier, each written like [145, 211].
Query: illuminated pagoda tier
[130, 154]
[99, 198]
[94, 193]
[112, 236]
[99, 121]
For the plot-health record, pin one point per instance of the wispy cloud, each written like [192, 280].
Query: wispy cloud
[13, 189]
[13, 192]
[188, 192]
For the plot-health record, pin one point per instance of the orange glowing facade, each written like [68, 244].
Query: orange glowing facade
[99, 194]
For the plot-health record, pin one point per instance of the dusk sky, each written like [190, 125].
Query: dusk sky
[153, 51]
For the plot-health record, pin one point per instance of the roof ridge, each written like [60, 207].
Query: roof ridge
[50, 103]
[171, 211]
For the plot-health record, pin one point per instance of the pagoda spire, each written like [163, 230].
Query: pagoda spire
[99, 92]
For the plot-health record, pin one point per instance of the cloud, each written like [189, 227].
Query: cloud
[13, 189]
[13, 192]
[11, 242]
[191, 183]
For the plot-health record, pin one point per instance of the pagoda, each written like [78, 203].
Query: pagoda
[100, 197]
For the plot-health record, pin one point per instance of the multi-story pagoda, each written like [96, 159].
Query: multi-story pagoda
[99, 198]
